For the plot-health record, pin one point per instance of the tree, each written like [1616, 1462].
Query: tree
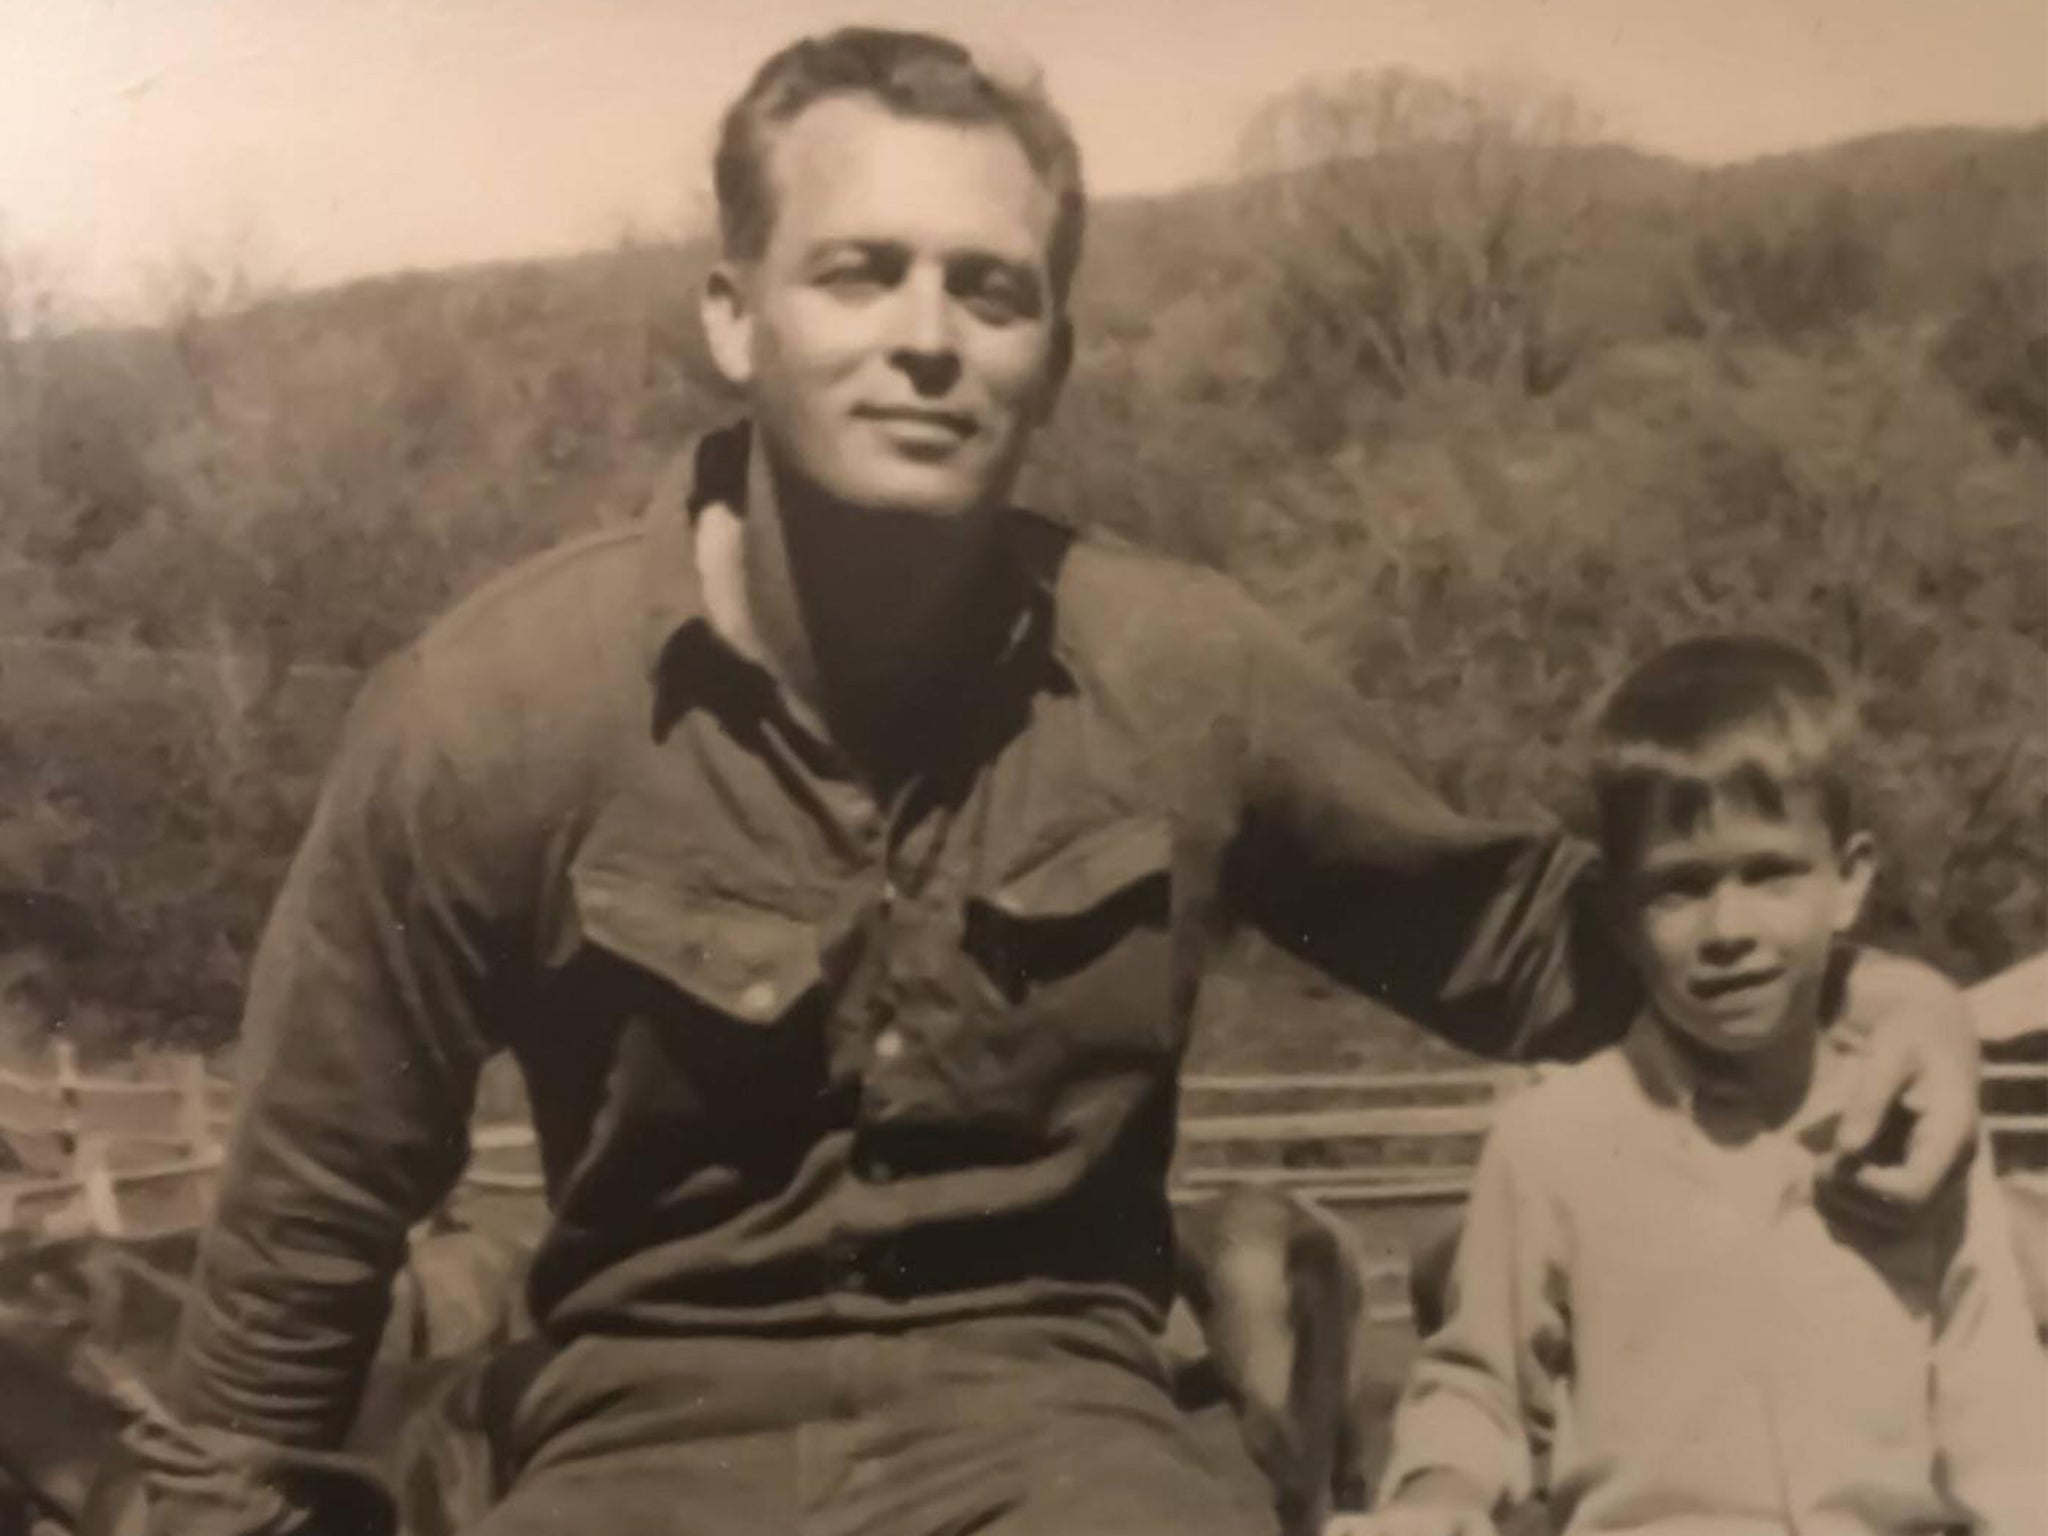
[1996, 351]
[1417, 232]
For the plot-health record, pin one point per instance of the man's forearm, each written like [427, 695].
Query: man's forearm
[1491, 935]
[361, 1046]
[1444, 1488]
[282, 1324]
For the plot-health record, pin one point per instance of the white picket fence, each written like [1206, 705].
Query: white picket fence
[118, 1156]
[138, 1157]
[1411, 1136]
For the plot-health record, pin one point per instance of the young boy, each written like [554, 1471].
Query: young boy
[1646, 1292]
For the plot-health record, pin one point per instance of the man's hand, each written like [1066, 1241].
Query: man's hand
[1414, 1520]
[1910, 1126]
[1440, 1502]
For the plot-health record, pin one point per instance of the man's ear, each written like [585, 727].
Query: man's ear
[728, 321]
[1059, 363]
[1858, 862]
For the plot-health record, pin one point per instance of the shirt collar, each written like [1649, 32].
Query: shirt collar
[713, 470]
[1672, 1081]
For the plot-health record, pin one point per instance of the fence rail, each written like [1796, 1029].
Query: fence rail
[137, 1157]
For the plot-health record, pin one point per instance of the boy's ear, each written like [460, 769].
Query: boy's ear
[1858, 862]
[728, 321]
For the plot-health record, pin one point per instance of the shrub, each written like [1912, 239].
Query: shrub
[1996, 351]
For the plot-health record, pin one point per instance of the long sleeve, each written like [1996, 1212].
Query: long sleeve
[1481, 1399]
[1486, 934]
[1990, 1378]
[362, 1042]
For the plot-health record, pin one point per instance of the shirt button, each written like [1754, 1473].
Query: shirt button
[888, 1045]
[758, 1000]
[879, 1172]
[842, 1267]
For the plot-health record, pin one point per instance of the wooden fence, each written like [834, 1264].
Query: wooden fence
[119, 1156]
[138, 1157]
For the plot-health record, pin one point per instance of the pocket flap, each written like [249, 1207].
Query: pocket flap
[751, 965]
[1081, 875]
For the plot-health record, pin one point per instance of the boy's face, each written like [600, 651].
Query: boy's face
[1732, 917]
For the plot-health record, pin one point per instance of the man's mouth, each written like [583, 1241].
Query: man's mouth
[919, 422]
[1710, 989]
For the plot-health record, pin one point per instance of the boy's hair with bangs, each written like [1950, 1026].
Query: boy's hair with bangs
[915, 75]
[1727, 719]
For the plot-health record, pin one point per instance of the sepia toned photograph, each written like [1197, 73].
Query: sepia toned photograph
[1182, 768]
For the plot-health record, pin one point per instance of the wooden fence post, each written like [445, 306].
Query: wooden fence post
[96, 1179]
[192, 1117]
[67, 1100]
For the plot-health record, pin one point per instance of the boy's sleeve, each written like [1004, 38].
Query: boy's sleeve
[1481, 1399]
[1990, 1373]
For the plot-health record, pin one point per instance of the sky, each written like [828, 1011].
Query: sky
[309, 141]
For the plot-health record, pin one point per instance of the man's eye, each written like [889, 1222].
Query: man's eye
[856, 271]
[998, 297]
[850, 279]
[997, 303]
[1681, 885]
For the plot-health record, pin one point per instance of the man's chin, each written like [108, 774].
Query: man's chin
[912, 492]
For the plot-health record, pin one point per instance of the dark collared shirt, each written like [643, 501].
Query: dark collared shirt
[801, 1058]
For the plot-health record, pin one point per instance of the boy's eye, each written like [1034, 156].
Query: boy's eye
[1671, 886]
[1772, 871]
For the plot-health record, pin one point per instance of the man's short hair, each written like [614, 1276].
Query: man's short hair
[1726, 719]
[915, 75]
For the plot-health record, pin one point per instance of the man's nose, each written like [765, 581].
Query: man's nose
[925, 346]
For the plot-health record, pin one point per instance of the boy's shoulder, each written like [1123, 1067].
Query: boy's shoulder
[1572, 1103]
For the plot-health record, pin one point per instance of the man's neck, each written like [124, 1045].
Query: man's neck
[867, 618]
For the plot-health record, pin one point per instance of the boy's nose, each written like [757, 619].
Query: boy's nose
[1730, 931]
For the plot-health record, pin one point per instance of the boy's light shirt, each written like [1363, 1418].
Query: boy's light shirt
[1729, 1360]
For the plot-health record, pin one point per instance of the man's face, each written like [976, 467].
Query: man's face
[898, 338]
[1733, 917]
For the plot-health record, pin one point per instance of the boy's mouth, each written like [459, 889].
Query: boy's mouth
[1711, 989]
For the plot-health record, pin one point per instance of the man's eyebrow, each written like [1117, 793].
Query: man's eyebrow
[979, 259]
[974, 261]
[830, 246]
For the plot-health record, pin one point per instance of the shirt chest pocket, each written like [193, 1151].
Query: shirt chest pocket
[1075, 949]
[1063, 980]
[1069, 909]
[701, 1028]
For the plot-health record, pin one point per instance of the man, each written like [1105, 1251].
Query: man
[838, 851]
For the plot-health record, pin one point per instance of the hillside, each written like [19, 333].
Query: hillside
[1480, 416]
